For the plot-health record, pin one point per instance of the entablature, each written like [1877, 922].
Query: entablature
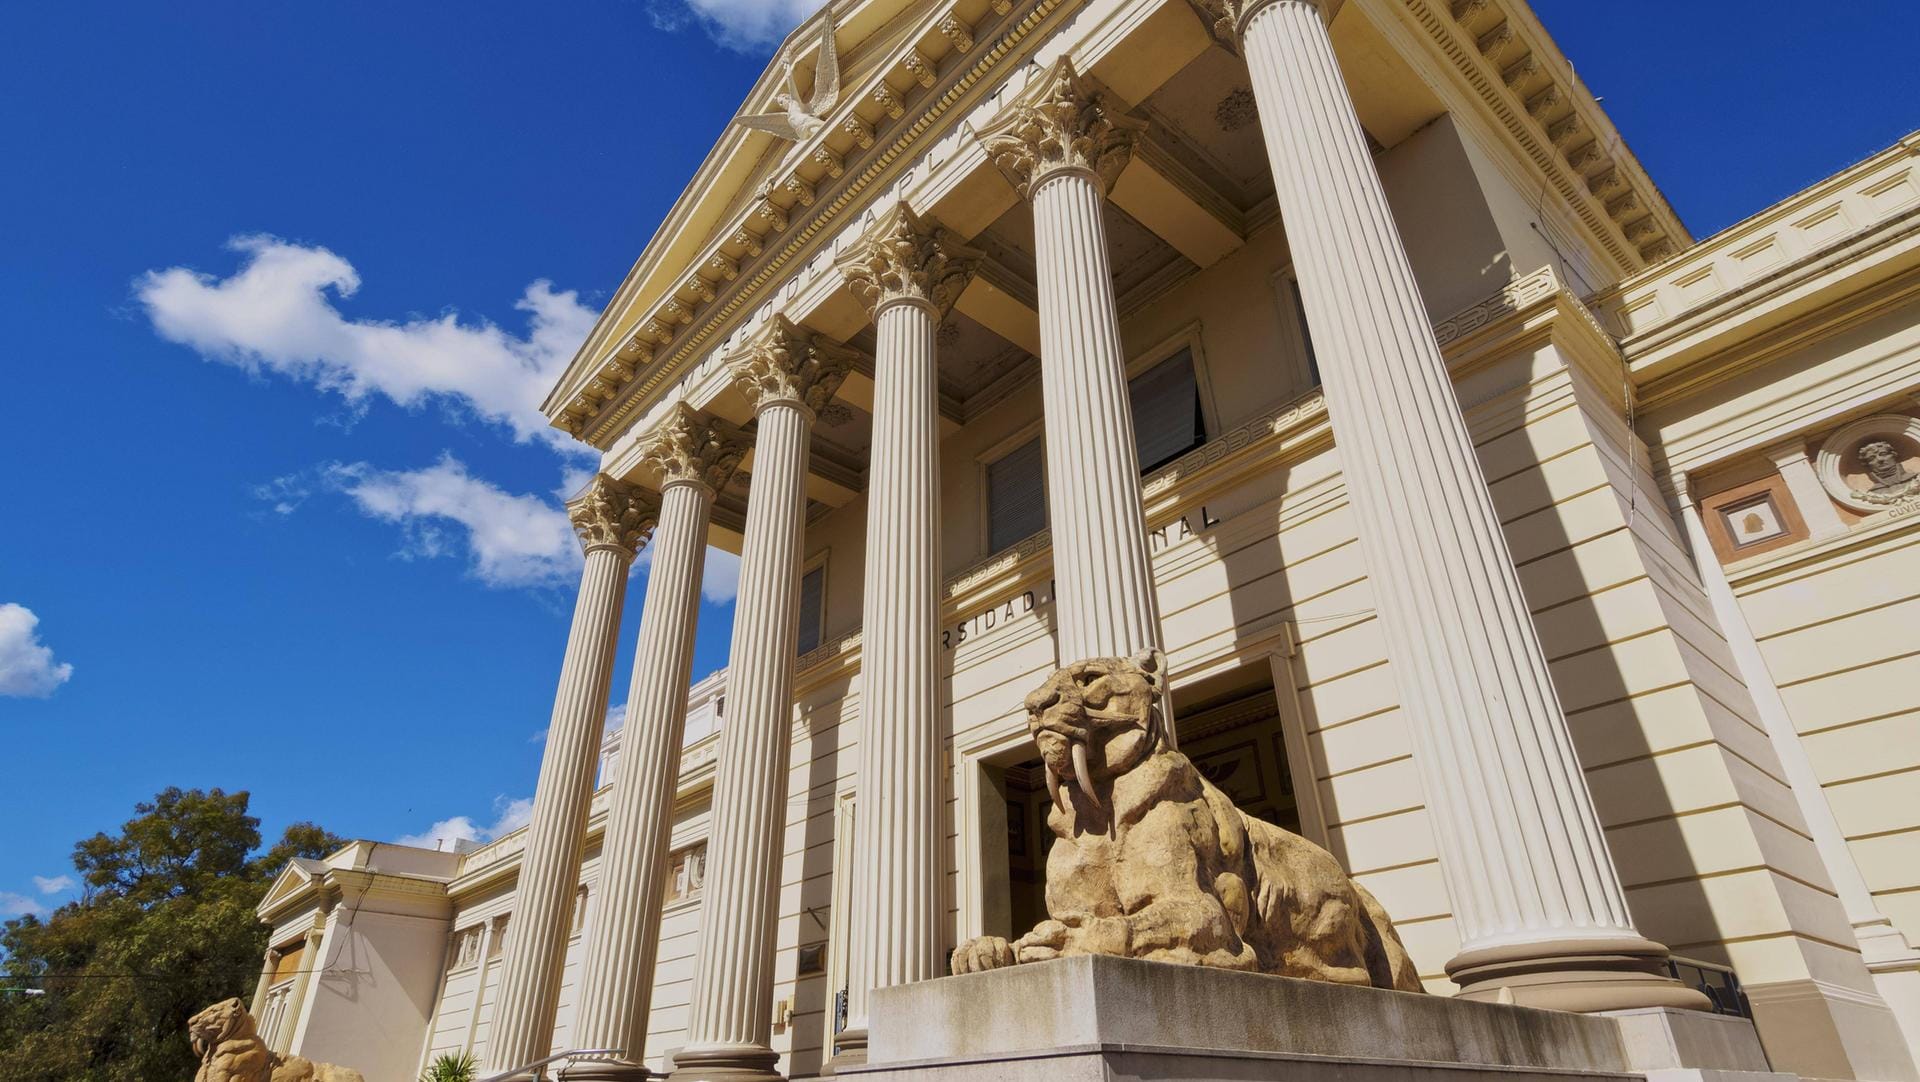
[903, 131]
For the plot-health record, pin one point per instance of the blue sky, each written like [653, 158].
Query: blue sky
[283, 285]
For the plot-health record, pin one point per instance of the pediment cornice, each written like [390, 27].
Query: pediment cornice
[1523, 79]
[681, 295]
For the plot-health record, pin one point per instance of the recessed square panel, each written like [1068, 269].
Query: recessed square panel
[1754, 521]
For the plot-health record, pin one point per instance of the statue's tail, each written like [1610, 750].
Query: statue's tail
[1387, 960]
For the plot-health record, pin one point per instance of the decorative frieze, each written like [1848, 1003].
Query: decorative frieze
[612, 514]
[885, 98]
[788, 363]
[903, 258]
[1059, 123]
[825, 158]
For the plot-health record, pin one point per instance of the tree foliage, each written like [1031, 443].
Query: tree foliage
[165, 927]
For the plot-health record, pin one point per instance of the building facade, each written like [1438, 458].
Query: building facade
[1555, 570]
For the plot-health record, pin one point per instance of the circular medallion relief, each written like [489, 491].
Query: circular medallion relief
[1873, 463]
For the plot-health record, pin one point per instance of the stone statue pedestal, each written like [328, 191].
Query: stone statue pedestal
[1098, 1018]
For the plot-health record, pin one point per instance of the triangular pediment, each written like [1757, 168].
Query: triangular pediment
[738, 171]
[293, 881]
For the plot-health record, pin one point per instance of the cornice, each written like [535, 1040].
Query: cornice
[776, 232]
[1524, 80]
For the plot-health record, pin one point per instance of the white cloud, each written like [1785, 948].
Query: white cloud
[53, 884]
[510, 540]
[27, 668]
[616, 716]
[743, 25]
[720, 580]
[509, 815]
[279, 312]
[19, 905]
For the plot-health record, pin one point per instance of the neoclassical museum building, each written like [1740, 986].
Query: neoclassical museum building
[1556, 570]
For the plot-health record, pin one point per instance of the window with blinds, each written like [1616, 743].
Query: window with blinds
[1016, 496]
[1166, 411]
[813, 607]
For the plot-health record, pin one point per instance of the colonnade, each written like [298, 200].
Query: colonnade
[1542, 915]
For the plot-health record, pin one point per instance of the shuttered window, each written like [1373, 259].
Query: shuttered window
[813, 607]
[1016, 496]
[1166, 411]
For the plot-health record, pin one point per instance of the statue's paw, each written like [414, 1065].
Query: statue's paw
[1047, 941]
[980, 955]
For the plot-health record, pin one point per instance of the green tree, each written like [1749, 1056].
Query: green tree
[166, 926]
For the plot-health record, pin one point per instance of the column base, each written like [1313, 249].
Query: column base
[849, 1050]
[607, 1070]
[1574, 975]
[729, 1063]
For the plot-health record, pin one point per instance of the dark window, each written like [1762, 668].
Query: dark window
[813, 607]
[1166, 411]
[1016, 496]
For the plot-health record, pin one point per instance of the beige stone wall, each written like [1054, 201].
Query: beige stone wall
[1841, 633]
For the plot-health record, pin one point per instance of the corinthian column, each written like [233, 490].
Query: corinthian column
[908, 273]
[613, 521]
[787, 374]
[692, 462]
[1537, 901]
[1063, 147]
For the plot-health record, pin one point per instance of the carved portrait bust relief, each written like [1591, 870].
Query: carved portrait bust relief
[1870, 465]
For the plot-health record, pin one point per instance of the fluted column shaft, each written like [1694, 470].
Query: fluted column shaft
[896, 926]
[1536, 898]
[268, 965]
[1104, 581]
[616, 985]
[729, 1031]
[543, 902]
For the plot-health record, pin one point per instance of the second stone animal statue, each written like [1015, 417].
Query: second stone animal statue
[1154, 862]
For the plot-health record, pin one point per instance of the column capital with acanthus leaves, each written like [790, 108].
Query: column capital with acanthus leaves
[1059, 123]
[610, 514]
[906, 259]
[788, 364]
[1227, 19]
[684, 450]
